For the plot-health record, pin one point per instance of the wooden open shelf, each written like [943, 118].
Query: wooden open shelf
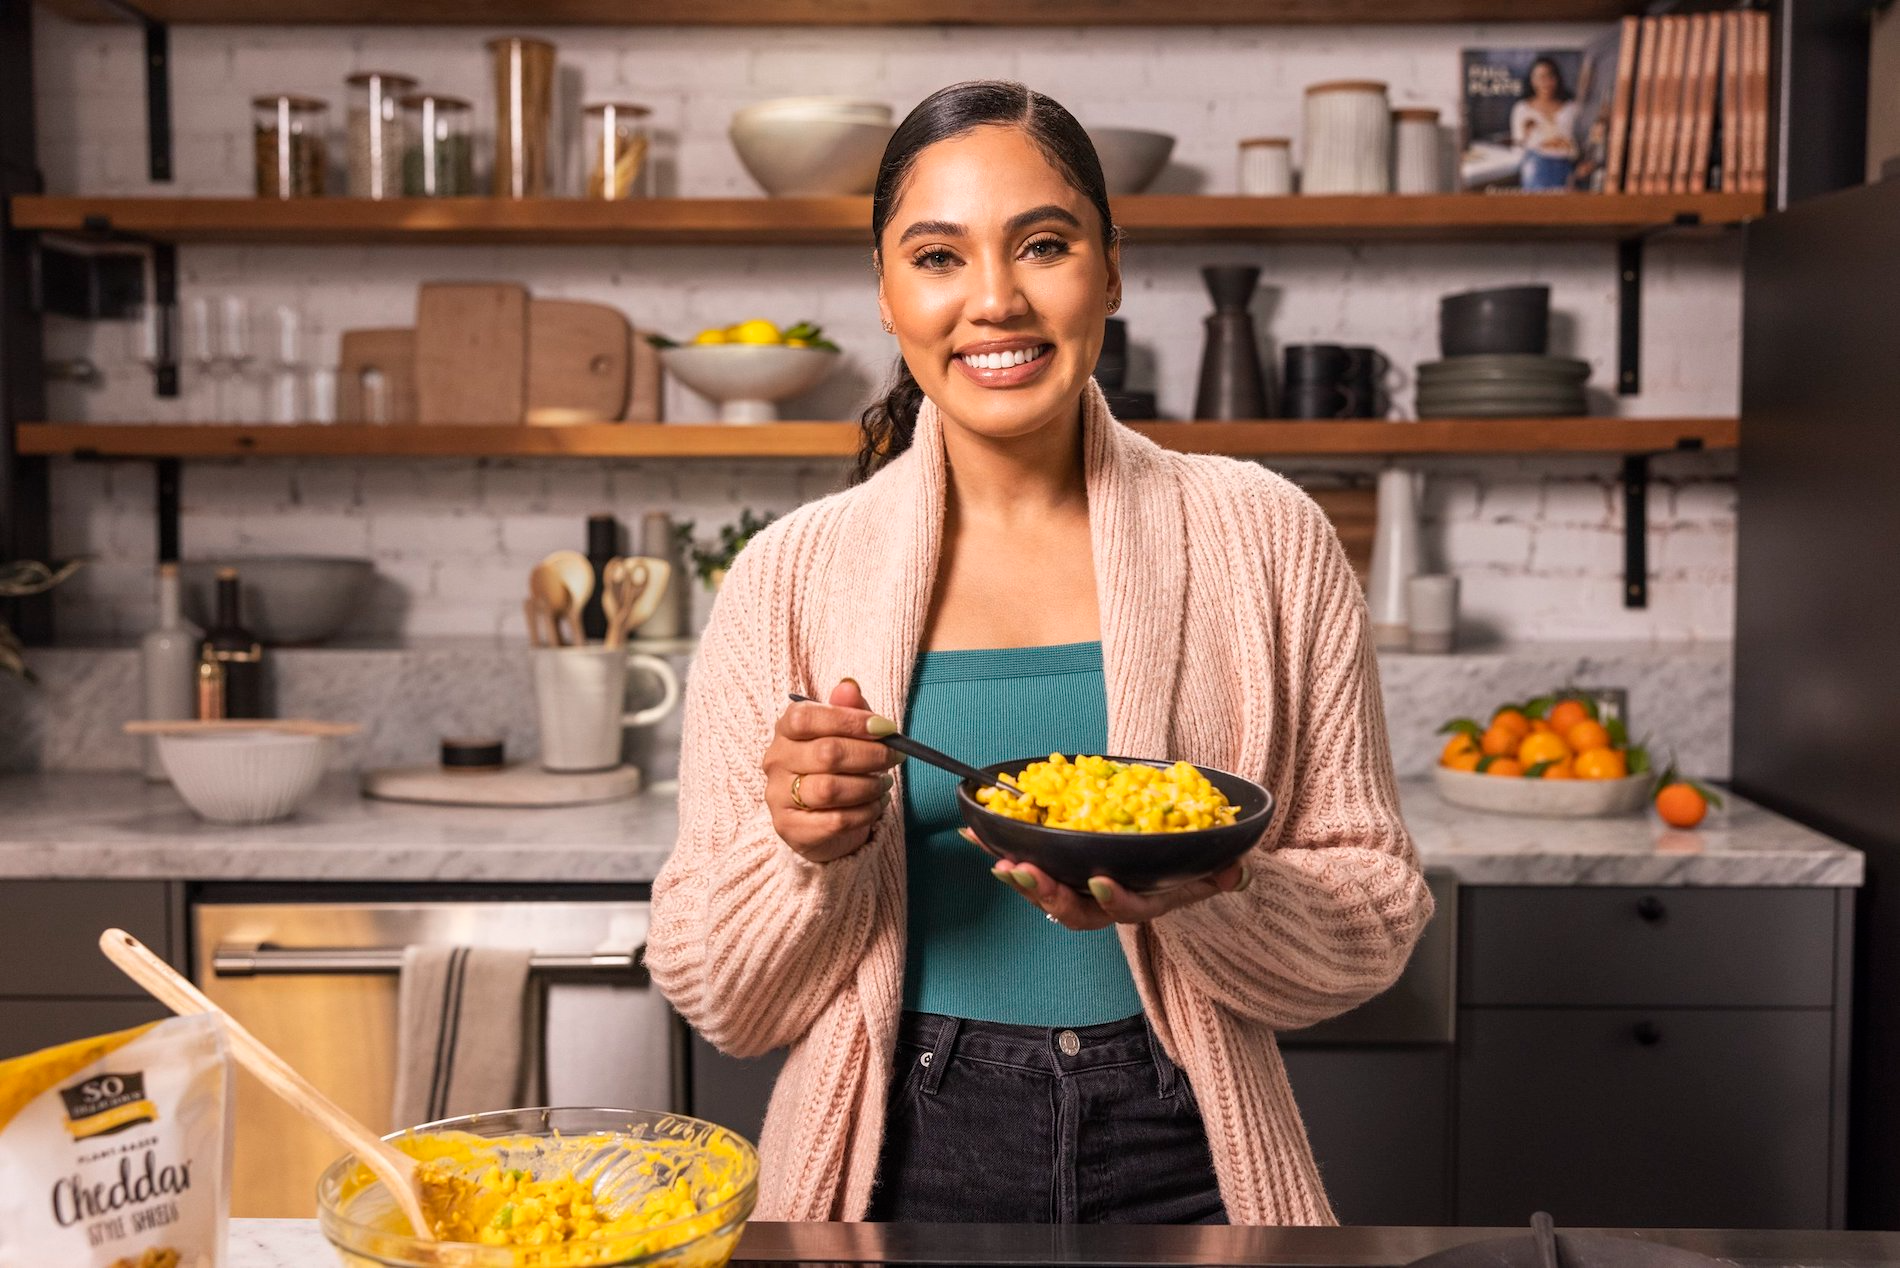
[849, 12]
[836, 440]
[711, 221]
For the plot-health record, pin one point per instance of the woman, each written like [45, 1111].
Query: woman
[1544, 127]
[1016, 573]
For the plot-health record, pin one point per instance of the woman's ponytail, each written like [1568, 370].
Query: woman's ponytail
[888, 426]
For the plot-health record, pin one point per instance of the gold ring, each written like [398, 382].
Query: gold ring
[1246, 878]
[796, 799]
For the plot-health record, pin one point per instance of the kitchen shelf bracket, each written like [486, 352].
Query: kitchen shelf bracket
[158, 88]
[1629, 316]
[167, 472]
[1636, 530]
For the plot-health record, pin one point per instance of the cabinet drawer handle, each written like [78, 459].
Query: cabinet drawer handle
[1651, 909]
[1648, 1034]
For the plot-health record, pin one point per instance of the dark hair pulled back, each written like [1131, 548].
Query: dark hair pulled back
[888, 426]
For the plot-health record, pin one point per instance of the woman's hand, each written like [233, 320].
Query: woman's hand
[826, 776]
[1107, 903]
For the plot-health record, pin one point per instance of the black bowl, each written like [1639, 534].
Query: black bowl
[1140, 861]
[1504, 319]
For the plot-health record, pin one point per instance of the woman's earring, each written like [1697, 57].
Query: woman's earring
[889, 329]
[1114, 305]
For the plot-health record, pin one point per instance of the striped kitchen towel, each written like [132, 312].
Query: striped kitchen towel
[467, 1039]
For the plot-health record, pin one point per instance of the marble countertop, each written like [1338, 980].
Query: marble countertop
[98, 826]
[299, 1244]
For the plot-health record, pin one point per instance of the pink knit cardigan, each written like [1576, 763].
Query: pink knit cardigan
[1234, 635]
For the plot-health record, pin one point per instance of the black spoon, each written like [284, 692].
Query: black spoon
[924, 753]
[1544, 1233]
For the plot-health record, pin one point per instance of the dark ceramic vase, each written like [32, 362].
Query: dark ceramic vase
[1232, 382]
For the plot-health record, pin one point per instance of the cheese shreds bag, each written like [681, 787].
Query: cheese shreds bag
[115, 1151]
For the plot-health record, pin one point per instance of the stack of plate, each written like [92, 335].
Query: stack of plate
[1501, 386]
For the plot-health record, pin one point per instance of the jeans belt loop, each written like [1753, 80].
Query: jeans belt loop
[939, 1055]
[1166, 1076]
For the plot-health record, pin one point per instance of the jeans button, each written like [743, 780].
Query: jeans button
[924, 1060]
[1069, 1042]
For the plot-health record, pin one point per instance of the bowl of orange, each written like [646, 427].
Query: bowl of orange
[1554, 756]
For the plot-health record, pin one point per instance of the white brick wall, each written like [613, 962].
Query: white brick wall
[1537, 542]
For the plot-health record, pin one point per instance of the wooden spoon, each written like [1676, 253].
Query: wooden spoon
[549, 593]
[394, 1168]
[577, 574]
[631, 594]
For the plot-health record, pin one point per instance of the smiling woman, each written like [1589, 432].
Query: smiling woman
[1015, 572]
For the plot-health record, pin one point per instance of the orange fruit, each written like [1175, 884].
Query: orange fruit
[1586, 735]
[1541, 746]
[1681, 806]
[1541, 727]
[1602, 763]
[1501, 740]
[1512, 717]
[1504, 766]
[1461, 753]
[1567, 713]
[1560, 770]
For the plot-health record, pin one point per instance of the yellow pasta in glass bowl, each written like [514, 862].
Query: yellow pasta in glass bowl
[1143, 823]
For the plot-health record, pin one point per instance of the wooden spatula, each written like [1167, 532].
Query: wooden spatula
[394, 1168]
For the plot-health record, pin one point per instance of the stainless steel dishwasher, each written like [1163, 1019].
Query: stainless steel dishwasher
[317, 982]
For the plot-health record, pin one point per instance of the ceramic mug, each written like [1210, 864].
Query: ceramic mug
[581, 694]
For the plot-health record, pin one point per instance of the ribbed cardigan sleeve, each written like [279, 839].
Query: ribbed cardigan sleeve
[749, 940]
[1337, 898]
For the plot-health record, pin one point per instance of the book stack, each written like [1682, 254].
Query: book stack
[1687, 107]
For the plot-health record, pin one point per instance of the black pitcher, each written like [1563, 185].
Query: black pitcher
[1232, 383]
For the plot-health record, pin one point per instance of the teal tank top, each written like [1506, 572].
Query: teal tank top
[976, 948]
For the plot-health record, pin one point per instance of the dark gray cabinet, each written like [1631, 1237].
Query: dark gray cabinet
[1379, 1119]
[54, 983]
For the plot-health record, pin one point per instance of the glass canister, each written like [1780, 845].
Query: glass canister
[375, 132]
[524, 109]
[617, 143]
[438, 150]
[287, 134]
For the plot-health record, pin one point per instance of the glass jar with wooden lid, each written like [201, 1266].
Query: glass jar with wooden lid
[438, 146]
[287, 133]
[373, 128]
[617, 142]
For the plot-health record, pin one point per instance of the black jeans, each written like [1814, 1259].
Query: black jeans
[997, 1124]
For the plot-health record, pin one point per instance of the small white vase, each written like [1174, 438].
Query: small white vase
[1395, 558]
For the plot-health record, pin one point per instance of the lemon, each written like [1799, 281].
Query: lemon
[798, 343]
[712, 334]
[757, 330]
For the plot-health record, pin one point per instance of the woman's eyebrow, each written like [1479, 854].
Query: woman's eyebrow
[1017, 223]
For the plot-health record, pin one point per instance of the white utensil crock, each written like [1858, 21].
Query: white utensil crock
[581, 694]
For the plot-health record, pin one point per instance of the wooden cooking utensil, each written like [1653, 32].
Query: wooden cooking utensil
[548, 592]
[537, 616]
[471, 352]
[634, 589]
[289, 726]
[645, 378]
[394, 1168]
[577, 574]
[578, 355]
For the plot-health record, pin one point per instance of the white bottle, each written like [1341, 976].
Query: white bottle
[168, 660]
[1395, 558]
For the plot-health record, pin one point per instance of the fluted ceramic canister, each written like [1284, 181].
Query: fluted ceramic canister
[1233, 385]
[1266, 165]
[1395, 559]
[1347, 146]
[1418, 165]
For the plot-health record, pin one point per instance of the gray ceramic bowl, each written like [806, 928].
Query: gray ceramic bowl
[1131, 157]
[1501, 319]
[284, 599]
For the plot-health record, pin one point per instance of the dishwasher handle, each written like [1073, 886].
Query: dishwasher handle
[261, 959]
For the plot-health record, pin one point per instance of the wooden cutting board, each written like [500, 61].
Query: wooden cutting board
[365, 354]
[578, 360]
[471, 352]
[520, 786]
[644, 381]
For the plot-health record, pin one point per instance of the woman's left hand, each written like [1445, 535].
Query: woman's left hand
[1107, 903]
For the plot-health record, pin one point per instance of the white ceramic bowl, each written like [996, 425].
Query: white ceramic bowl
[1546, 798]
[817, 108]
[745, 379]
[810, 155]
[243, 776]
[1131, 157]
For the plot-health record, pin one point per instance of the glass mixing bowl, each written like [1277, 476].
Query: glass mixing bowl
[627, 1154]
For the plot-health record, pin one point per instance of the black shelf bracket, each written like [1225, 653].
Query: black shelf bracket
[158, 87]
[1629, 317]
[165, 304]
[1636, 530]
[167, 472]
